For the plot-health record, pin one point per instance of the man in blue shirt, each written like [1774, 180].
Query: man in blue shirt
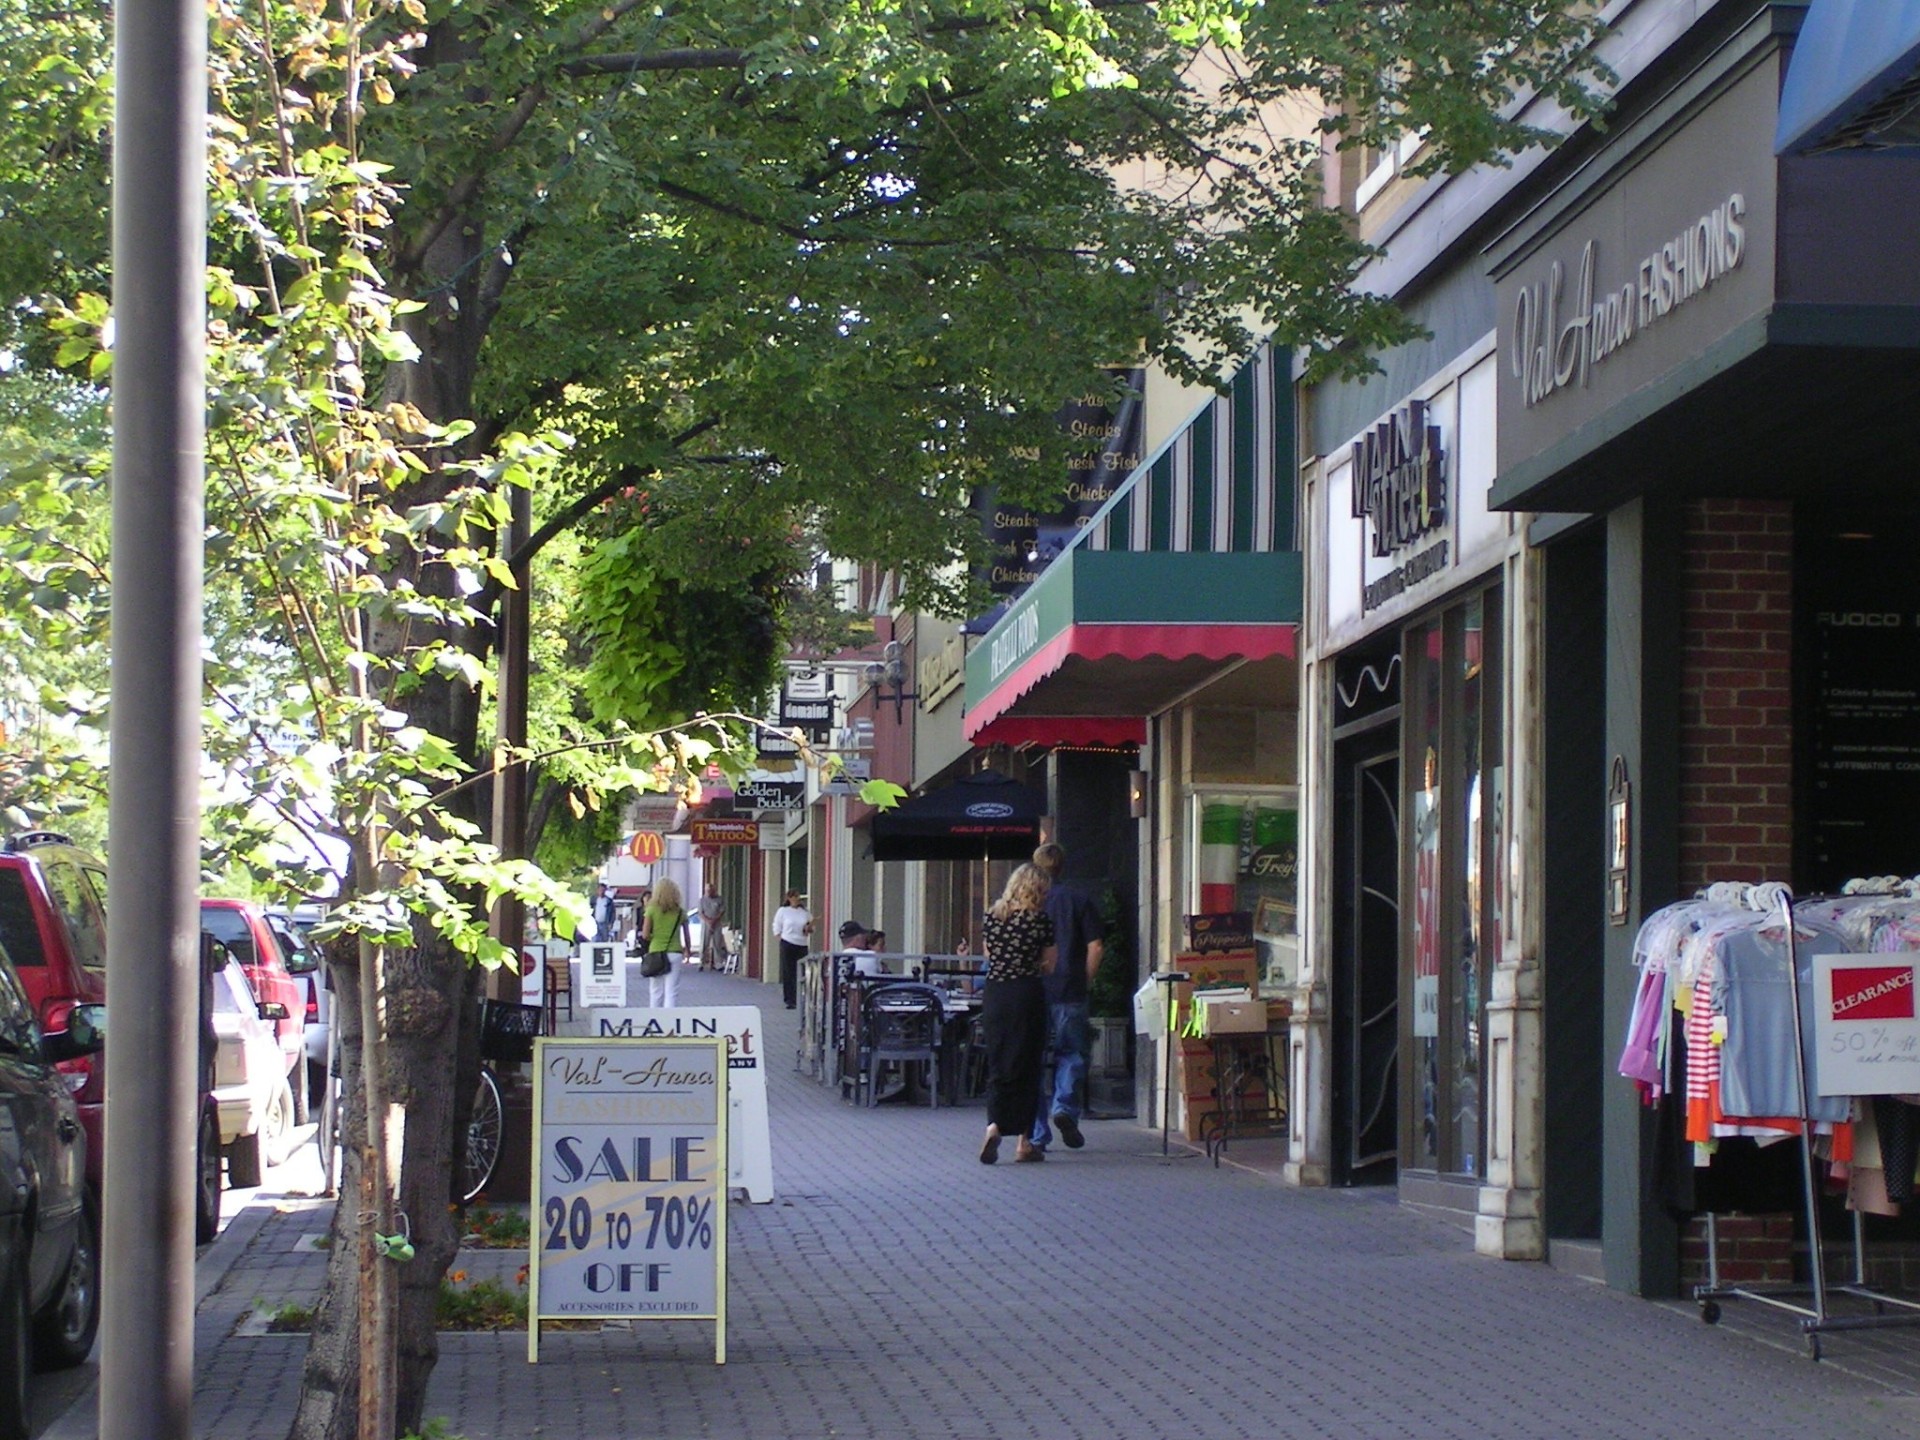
[1077, 932]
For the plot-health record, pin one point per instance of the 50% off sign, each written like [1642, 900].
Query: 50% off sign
[630, 1183]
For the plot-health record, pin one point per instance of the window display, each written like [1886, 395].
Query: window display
[1246, 860]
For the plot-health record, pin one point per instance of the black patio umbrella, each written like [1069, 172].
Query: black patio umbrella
[980, 817]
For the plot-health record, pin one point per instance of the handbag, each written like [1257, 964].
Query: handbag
[654, 964]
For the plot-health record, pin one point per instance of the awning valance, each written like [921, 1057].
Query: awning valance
[1188, 568]
[1117, 635]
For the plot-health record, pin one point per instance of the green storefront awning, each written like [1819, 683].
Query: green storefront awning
[1118, 634]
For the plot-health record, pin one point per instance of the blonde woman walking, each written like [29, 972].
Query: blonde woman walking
[664, 942]
[1019, 945]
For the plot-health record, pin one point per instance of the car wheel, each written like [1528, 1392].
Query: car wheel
[276, 1126]
[14, 1353]
[297, 1088]
[63, 1333]
[206, 1189]
[244, 1164]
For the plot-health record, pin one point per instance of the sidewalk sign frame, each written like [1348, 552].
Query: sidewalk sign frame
[608, 1078]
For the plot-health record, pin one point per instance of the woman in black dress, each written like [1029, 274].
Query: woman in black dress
[1013, 1010]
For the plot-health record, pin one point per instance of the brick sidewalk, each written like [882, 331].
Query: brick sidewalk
[896, 1287]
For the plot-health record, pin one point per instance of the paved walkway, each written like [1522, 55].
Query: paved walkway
[897, 1287]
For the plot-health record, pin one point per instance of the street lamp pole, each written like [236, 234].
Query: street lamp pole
[159, 404]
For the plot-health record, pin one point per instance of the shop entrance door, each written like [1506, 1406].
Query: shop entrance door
[1366, 980]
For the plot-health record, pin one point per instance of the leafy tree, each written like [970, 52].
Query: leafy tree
[698, 278]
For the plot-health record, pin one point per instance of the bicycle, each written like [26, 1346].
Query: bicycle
[506, 1037]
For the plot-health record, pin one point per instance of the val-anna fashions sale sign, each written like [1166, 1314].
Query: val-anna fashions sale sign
[630, 1183]
[1866, 1031]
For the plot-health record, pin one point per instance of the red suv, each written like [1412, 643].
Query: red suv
[53, 922]
[242, 926]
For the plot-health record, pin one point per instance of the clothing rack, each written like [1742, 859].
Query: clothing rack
[1816, 1319]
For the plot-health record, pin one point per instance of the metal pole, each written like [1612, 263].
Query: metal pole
[159, 247]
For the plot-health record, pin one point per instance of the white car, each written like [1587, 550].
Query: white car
[250, 1090]
[290, 928]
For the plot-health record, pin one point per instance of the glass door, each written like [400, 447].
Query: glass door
[1452, 927]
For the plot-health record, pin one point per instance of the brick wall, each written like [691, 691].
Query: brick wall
[1754, 1249]
[1736, 726]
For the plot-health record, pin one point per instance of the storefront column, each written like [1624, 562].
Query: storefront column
[1509, 1224]
[1309, 1032]
[1639, 1241]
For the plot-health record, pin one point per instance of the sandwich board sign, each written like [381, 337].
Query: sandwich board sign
[629, 1183]
[749, 1135]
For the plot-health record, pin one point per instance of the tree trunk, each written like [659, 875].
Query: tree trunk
[428, 989]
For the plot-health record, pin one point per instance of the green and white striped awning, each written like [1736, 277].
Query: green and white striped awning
[1191, 565]
[1223, 482]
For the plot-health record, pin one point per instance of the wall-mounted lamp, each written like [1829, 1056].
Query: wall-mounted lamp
[1137, 794]
[889, 674]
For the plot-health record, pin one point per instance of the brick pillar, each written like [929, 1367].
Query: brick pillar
[1736, 727]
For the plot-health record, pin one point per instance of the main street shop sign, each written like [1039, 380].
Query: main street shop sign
[1400, 491]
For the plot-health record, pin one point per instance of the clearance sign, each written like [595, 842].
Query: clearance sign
[1866, 1032]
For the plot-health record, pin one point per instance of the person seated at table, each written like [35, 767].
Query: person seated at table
[877, 941]
[855, 941]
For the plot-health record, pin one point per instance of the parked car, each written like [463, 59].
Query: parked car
[310, 974]
[49, 1215]
[53, 923]
[242, 926]
[251, 1094]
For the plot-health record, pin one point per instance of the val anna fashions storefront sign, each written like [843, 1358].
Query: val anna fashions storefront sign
[1400, 490]
[1558, 338]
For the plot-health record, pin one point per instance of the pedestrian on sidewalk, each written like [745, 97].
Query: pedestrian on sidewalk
[713, 951]
[791, 927]
[1018, 938]
[664, 942]
[1077, 934]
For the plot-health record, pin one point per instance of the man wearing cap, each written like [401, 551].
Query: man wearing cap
[853, 941]
[1077, 931]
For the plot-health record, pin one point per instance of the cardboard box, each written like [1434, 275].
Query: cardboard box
[1233, 1017]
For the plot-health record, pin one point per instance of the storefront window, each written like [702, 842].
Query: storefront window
[1455, 784]
[1246, 861]
[1426, 646]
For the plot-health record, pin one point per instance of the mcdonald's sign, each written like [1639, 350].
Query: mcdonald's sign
[646, 846]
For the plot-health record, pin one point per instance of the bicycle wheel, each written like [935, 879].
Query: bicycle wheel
[482, 1150]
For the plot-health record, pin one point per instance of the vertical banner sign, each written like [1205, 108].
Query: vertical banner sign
[1866, 1033]
[629, 1184]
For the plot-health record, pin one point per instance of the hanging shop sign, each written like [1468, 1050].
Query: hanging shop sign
[630, 1183]
[1399, 489]
[775, 745]
[749, 1135]
[771, 794]
[725, 832]
[647, 846]
[1866, 1030]
[814, 717]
